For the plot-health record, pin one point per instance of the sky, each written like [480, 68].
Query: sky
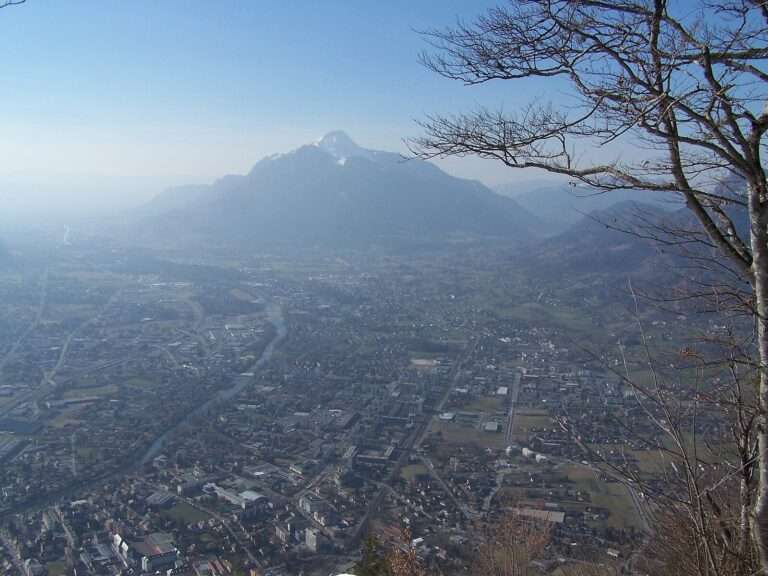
[105, 103]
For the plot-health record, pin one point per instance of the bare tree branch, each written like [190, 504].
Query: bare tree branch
[686, 84]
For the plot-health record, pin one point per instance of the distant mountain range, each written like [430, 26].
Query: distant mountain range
[623, 241]
[334, 192]
[560, 204]
[609, 240]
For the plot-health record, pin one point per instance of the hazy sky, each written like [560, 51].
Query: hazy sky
[104, 100]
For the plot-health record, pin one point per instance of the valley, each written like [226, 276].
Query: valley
[422, 388]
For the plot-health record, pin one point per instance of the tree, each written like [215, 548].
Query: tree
[700, 427]
[506, 546]
[684, 85]
[373, 561]
[510, 545]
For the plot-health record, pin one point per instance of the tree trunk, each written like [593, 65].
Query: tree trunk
[745, 524]
[759, 240]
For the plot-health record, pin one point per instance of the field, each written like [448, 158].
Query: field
[528, 419]
[579, 568]
[612, 496]
[486, 404]
[183, 513]
[56, 568]
[139, 383]
[412, 470]
[74, 393]
[457, 435]
[652, 462]
[69, 415]
[534, 313]
[649, 462]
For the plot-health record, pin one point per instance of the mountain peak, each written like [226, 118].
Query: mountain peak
[370, 197]
[336, 137]
[339, 145]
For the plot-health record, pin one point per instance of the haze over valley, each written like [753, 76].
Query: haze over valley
[398, 289]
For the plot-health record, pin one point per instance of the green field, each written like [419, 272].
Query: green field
[612, 496]
[183, 513]
[458, 435]
[537, 314]
[74, 393]
[648, 461]
[139, 383]
[526, 420]
[412, 470]
[56, 568]
[68, 416]
[485, 404]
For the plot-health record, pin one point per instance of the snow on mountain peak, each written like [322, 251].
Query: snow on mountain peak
[339, 145]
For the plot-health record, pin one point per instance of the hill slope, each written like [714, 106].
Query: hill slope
[603, 242]
[563, 205]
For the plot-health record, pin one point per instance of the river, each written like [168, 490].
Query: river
[275, 317]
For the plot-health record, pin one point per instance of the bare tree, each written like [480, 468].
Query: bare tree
[510, 545]
[701, 434]
[403, 559]
[685, 85]
[678, 547]
[506, 546]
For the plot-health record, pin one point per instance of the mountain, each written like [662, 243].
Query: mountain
[608, 240]
[334, 192]
[175, 198]
[562, 205]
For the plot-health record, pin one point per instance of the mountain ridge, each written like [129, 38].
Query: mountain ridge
[335, 192]
[562, 204]
[605, 240]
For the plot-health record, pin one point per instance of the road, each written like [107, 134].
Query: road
[642, 513]
[513, 406]
[198, 314]
[638, 503]
[454, 377]
[417, 435]
[232, 532]
[499, 483]
[168, 354]
[462, 507]
[223, 521]
[34, 324]
[47, 383]
[275, 315]
[514, 395]
[315, 481]
[15, 558]
[295, 499]
[143, 455]
[411, 445]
